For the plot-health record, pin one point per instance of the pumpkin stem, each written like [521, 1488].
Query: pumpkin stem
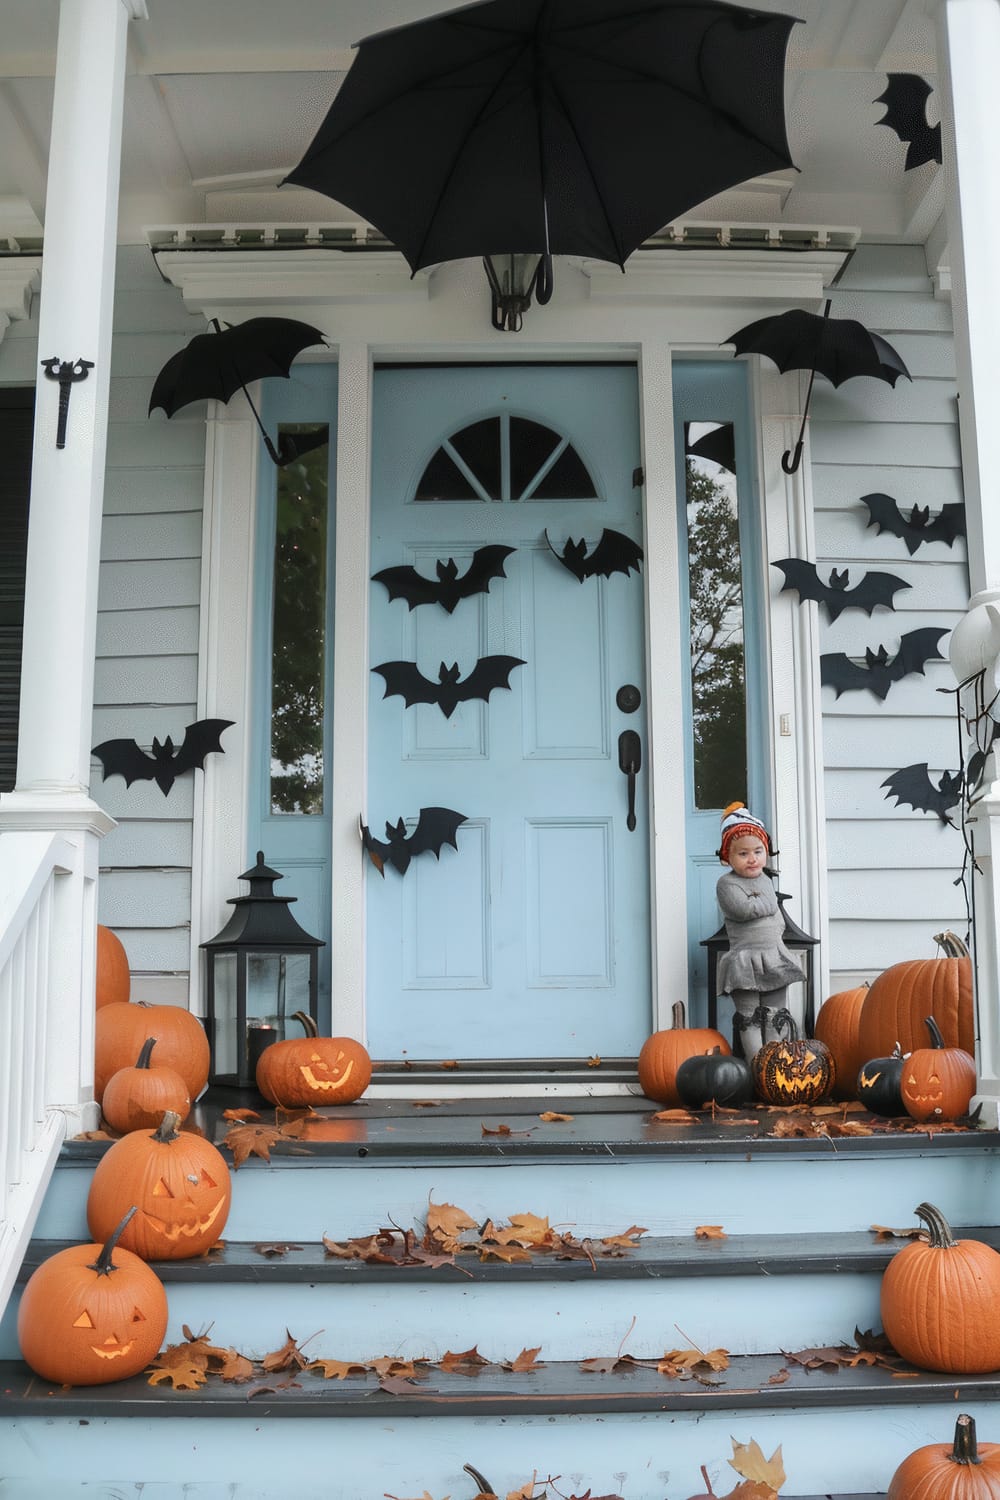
[485, 1487]
[964, 1450]
[167, 1130]
[307, 1023]
[147, 1048]
[951, 944]
[941, 1237]
[677, 1015]
[937, 1040]
[104, 1265]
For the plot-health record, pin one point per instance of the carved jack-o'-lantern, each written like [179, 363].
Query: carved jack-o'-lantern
[90, 1315]
[938, 1082]
[793, 1070]
[180, 1184]
[317, 1070]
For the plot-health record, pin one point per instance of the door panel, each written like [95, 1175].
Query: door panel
[532, 939]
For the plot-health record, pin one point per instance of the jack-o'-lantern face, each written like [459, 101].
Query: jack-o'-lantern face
[187, 1209]
[793, 1071]
[925, 1091]
[317, 1070]
[115, 1344]
[326, 1073]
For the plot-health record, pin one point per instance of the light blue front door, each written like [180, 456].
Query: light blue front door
[532, 938]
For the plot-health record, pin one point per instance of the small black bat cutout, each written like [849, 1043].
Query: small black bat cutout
[917, 527]
[614, 553]
[436, 827]
[448, 589]
[905, 101]
[404, 679]
[878, 673]
[124, 757]
[874, 589]
[912, 787]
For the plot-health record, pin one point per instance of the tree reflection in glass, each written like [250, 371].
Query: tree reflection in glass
[718, 675]
[298, 641]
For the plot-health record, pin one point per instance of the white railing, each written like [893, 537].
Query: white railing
[46, 1048]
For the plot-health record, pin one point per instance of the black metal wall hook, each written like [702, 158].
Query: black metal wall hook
[68, 372]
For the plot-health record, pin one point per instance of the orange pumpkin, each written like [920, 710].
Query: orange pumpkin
[92, 1314]
[136, 1098]
[663, 1052]
[314, 1070]
[179, 1183]
[114, 981]
[901, 999]
[966, 1470]
[937, 1082]
[838, 1028]
[939, 1300]
[181, 1043]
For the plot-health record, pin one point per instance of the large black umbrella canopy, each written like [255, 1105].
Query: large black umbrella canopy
[838, 348]
[573, 127]
[214, 366]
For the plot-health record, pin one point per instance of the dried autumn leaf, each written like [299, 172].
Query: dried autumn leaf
[594, 1062]
[524, 1229]
[710, 1232]
[882, 1232]
[816, 1359]
[235, 1367]
[551, 1115]
[390, 1364]
[241, 1115]
[751, 1489]
[337, 1369]
[674, 1117]
[445, 1223]
[426, 1103]
[503, 1130]
[749, 1461]
[694, 1359]
[602, 1364]
[273, 1250]
[627, 1240]
[526, 1360]
[288, 1357]
[251, 1140]
[181, 1377]
[466, 1362]
[779, 1377]
[403, 1385]
[94, 1135]
[450, 1062]
[509, 1254]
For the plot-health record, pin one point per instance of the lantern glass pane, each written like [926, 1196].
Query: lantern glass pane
[277, 986]
[224, 1010]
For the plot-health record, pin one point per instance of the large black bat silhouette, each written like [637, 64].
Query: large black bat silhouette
[874, 589]
[614, 553]
[917, 527]
[404, 679]
[878, 673]
[912, 787]
[905, 101]
[125, 758]
[436, 826]
[448, 589]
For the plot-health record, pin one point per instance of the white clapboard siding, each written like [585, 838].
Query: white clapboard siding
[891, 869]
[146, 679]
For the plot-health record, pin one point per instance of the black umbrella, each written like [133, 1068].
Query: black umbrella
[213, 366]
[718, 445]
[839, 348]
[569, 127]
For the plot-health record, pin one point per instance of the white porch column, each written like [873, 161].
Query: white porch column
[968, 69]
[67, 489]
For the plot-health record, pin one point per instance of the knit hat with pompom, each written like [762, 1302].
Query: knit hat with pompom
[737, 821]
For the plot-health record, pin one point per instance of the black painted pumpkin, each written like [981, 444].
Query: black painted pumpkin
[793, 1070]
[714, 1078]
[879, 1082]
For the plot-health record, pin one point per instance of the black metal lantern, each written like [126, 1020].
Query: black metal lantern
[262, 968]
[794, 939]
[514, 280]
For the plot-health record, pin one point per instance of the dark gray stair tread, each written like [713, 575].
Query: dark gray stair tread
[653, 1258]
[552, 1389]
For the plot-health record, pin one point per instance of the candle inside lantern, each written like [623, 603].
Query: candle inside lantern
[258, 1039]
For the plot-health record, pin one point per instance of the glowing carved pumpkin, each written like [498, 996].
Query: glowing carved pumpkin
[179, 1183]
[316, 1070]
[90, 1315]
[793, 1070]
[937, 1082]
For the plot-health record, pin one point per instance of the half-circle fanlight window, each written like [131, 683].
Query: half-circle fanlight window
[506, 458]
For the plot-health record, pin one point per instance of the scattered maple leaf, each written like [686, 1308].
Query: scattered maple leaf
[401, 1385]
[905, 1374]
[614, 1243]
[526, 1360]
[524, 1229]
[816, 1359]
[271, 1250]
[468, 1362]
[288, 1357]
[94, 1135]
[451, 1062]
[710, 1232]
[425, 1103]
[390, 1364]
[677, 1360]
[594, 1062]
[502, 1129]
[181, 1376]
[508, 1254]
[241, 1115]
[337, 1369]
[445, 1223]
[675, 1117]
[251, 1140]
[749, 1461]
[779, 1377]
[847, 1127]
[751, 1489]
[882, 1232]
[552, 1115]
[236, 1367]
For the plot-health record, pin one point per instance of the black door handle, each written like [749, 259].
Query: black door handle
[630, 764]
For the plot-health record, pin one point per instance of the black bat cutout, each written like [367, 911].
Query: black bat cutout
[905, 101]
[917, 527]
[125, 758]
[878, 673]
[436, 826]
[874, 589]
[614, 553]
[404, 679]
[448, 589]
[912, 787]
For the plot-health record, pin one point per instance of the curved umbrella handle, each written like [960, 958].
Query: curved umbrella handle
[791, 459]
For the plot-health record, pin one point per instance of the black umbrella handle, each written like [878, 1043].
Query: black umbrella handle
[791, 459]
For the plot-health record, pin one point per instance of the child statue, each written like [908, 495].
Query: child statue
[758, 968]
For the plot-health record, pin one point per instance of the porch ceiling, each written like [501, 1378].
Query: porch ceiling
[223, 98]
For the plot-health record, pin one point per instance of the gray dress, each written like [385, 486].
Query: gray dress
[757, 958]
